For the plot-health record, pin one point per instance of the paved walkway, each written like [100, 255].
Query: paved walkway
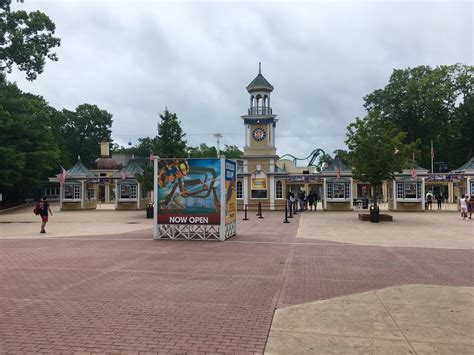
[431, 229]
[124, 292]
[412, 319]
[23, 223]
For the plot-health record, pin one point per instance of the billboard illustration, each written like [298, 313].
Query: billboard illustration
[189, 191]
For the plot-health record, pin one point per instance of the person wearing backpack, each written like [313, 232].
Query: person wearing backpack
[43, 208]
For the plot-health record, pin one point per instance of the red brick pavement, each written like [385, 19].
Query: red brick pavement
[129, 294]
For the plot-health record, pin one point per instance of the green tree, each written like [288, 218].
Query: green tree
[203, 151]
[170, 140]
[430, 104]
[26, 39]
[28, 150]
[232, 152]
[80, 132]
[377, 150]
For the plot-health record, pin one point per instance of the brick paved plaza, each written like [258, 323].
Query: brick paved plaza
[124, 292]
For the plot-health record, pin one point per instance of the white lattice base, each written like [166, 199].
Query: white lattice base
[230, 229]
[194, 231]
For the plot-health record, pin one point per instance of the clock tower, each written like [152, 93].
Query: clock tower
[259, 122]
[260, 181]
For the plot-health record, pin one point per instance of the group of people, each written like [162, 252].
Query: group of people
[301, 201]
[430, 198]
[466, 205]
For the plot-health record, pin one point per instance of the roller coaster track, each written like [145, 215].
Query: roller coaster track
[312, 156]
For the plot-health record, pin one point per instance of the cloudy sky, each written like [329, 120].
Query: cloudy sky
[133, 58]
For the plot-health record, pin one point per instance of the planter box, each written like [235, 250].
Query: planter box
[382, 217]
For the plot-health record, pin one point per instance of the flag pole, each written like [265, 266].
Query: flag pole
[432, 156]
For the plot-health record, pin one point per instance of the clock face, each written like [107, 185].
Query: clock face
[258, 134]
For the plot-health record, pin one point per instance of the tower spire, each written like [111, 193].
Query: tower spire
[260, 67]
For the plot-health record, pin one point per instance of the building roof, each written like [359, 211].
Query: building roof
[469, 165]
[338, 163]
[132, 168]
[419, 171]
[79, 171]
[105, 163]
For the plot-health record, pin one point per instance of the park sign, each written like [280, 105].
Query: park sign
[195, 198]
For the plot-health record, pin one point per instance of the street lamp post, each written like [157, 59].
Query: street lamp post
[218, 137]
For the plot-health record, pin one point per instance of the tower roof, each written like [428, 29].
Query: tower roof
[259, 83]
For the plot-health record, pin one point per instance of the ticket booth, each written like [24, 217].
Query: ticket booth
[78, 191]
[407, 192]
[337, 186]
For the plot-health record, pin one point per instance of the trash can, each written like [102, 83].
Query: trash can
[374, 214]
[149, 210]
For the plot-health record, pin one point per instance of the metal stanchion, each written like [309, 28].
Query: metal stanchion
[286, 215]
[260, 210]
[245, 213]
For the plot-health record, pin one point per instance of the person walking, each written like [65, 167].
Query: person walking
[463, 206]
[439, 199]
[311, 200]
[470, 206]
[43, 208]
[429, 201]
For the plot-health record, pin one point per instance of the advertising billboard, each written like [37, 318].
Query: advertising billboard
[195, 199]
[231, 192]
[189, 191]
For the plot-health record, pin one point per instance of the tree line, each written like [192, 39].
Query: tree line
[424, 104]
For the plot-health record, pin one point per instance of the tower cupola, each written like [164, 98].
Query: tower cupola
[259, 90]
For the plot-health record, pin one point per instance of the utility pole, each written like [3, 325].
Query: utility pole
[218, 137]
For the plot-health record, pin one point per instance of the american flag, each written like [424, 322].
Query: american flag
[62, 176]
[413, 172]
[338, 173]
[122, 172]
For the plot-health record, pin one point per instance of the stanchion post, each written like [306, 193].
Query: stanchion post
[245, 213]
[286, 215]
[260, 210]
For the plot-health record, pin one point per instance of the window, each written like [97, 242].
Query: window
[399, 190]
[259, 193]
[472, 189]
[329, 187]
[72, 192]
[408, 190]
[239, 189]
[128, 191]
[339, 190]
[51, 191]
[279, 189]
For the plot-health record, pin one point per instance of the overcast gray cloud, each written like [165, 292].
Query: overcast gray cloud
[134, 58]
